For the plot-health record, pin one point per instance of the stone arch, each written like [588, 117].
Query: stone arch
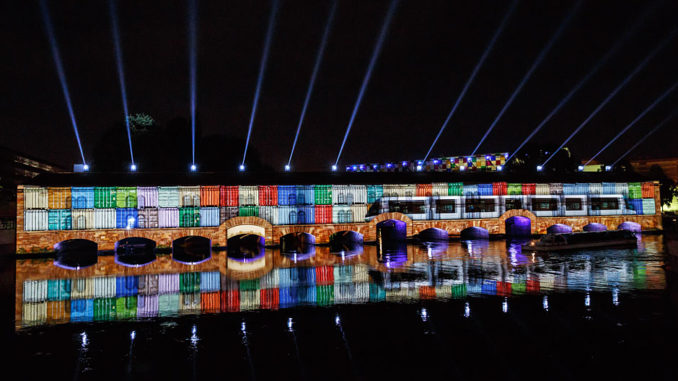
[517, 212]
[248, 225]
[297, 242]
[135, 251]
[433, 234]
[76, 253]
[372, 225]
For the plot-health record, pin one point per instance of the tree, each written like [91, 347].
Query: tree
[667, 187]
[533, 155]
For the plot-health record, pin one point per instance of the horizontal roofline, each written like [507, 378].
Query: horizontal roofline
[304, 178]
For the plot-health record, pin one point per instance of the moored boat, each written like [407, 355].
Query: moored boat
[583, 240]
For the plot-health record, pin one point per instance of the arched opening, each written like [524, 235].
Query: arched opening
[518, 226]
[559, 229]
[191, 249]
[433, 235]
[346, 243]
[474, 233]
[595, 227]
[391, 231]
[80, 223]
[246, 247]
[299, 243]
[134, 251]
[75, 253]
[142, 202]
[630, 226]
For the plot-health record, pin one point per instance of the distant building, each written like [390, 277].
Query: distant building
[16, 168]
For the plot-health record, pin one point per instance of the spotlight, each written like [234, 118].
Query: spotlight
[334, 167]
[500, 168]
[85, 167]
[608, 168]
[241, 167]
[194, 167]
[133, 167]
[419, 167]
[287, 167]
[462, 168]
[580, 168]
[540, 168]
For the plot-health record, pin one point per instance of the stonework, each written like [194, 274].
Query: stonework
[42, 241]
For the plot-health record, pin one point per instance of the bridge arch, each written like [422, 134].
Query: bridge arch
[517, 212]
[248, 225]
[76, 253]
[433, 234]
[372, 225]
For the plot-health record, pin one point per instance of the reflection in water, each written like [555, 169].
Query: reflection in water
[47, 294]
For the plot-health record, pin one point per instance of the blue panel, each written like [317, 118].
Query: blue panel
[287, 194]
[82, 310]
[82, 197]
[288, 297]
[485, 189]
[126, 217]
[126, 286]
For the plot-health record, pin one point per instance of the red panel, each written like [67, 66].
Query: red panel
[499, 189]
[210, 302]
[427, 292]
[532, 285]
[228, 195]
[324, 275]
[268, 195]
[529, 188]
[648, 190]
[424, 189]
[323, 214]
[230, 301]
[270, 298]
[503, 288]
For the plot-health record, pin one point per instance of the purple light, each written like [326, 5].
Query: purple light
[389, 165]
[316, 66]
[121, 73]
[614, 92]
[368, 74]
[260, 79]
[527, 75]
[634, 121]
[473, 75]
[60, 72]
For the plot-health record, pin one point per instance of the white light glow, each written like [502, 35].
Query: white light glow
[241, 167]
[133, 167]
[194, 167]
[467, 310]
[540, 167]
[85, 167]
[287, 167]
[334, 167]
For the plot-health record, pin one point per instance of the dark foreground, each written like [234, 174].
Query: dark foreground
[557, 334]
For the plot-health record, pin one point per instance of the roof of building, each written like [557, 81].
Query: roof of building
[158, 179]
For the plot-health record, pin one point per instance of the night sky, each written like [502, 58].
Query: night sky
[430, 51]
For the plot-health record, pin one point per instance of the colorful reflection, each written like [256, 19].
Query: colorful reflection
[49, 294]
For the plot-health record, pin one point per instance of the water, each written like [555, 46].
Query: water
[469, 310]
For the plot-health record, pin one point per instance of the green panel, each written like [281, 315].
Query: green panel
[189, 217]
[248, 211]
[189, 282]
[455, 189]
[325, 295]
[58, 289]
[518, 288]
[459, 290]
[104, 309]
[249, 284]
[377, 293]
[168, 304]
[105, 197]
[635, 190]
[322, 194]
[126, 307]
[126, 197]
[514, 189]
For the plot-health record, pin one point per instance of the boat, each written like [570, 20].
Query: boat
[583, 240]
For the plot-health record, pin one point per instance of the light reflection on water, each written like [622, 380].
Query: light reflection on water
[47, 294]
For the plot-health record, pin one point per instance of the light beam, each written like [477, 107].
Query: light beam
[60, 72]
[121, 73]
[309, 91]
[641, 140]
[486, 53]
[584, 80]
[614, 92]
[634, 121]
[260, 79]
[193, 66]
[368, 74]
[527, 75]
